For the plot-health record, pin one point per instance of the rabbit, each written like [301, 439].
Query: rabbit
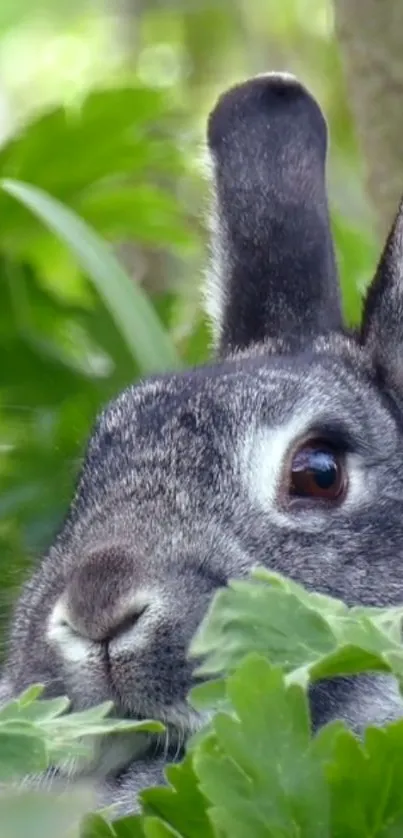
[285, 451]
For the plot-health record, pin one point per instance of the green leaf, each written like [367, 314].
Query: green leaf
[310, 636]
[37, 733]
[325, 605]
[250, 616]
[126, 301]
[131, 826]
[348, 660]
[257, 769]
[154, 828]
[22, 751]
[95, 826]
[181, 805]
[365, 780]
[36, 711]
[210, 693]
[52, 150]
[75, 728]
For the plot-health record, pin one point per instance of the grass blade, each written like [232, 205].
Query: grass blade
[129, 306]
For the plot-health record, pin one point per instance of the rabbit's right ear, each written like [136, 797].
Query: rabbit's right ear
[382, 324]
[274, 274]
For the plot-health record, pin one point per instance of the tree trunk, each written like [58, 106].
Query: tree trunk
[370, 34]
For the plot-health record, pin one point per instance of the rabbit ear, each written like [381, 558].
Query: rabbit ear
[274, 273]
[382, 325]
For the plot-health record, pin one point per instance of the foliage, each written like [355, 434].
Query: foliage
[129, 306]
[256, 768]
[106, 116]
[68, 347]
[36, 733]
[103, 162]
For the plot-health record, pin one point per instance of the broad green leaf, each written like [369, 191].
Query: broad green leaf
[324, 742]
[20, 726]
[131, 826]
[209, 694]
[154, 828]
[257, 769]
[52, 150]
[326, 605]
[75, 728]
[126, 301]
[94, 826]
[22, 751]
[89, 716]
[310, 636]
[349, 660]
[250, 616]
[36, 711]
[38, 734]
[365, 780]
[181, 804]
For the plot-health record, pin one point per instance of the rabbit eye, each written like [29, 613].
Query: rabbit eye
[318, 471]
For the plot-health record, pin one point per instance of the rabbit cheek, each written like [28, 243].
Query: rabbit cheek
[81, 661]
[151, 677]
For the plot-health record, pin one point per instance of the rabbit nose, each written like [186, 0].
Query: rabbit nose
[101, 630]
[103, 599]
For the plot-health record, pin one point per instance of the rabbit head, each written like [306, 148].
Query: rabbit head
[287, 451]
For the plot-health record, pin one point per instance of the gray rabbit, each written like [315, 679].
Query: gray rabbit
[287, 451]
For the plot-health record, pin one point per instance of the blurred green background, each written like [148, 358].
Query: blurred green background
[104, 106]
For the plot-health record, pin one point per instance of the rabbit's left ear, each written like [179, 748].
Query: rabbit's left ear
[382, 325]
[274, 273]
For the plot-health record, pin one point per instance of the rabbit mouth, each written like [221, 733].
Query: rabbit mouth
[181, 722]
[112, 755]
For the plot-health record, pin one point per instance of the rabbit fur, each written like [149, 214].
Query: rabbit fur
[184, 482]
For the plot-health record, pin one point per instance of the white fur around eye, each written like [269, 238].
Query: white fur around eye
[263, 459]
[263, 453]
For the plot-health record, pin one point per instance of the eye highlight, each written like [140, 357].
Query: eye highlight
[317, 472]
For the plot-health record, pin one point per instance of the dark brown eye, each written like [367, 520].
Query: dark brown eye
[319, 472]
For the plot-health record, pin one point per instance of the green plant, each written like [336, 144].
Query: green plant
[75, 326]
[255, 769]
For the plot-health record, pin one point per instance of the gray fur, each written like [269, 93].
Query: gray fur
[181, 484]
